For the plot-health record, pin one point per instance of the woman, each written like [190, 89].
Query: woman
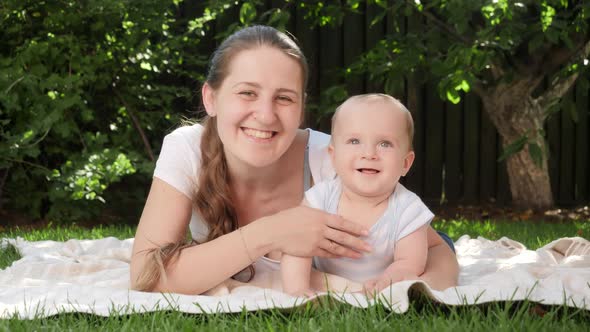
[237, 181]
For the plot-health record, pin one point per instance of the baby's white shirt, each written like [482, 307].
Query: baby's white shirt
[405, 213]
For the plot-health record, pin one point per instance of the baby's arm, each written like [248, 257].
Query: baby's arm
[295, 274]
[408, 263]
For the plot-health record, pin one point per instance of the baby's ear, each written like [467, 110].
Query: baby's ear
[408, 161]
[331, 152]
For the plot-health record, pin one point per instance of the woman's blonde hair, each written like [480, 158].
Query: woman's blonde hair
[213, 201]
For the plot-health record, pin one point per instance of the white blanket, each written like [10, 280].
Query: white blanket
[92, 276]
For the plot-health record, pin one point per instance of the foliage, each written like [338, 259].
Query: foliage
[89, 88]
[466, 45]
[81, 82]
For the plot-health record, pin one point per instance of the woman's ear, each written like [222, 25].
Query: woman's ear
[208, 95]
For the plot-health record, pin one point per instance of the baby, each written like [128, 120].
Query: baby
[370, 149]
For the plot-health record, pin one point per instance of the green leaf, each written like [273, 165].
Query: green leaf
[279, 18]
[247, 13]
[536, 154]
[513, 147]
[453, 96]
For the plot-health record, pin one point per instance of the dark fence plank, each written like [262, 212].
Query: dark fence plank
[331, 63]
[416, 105]
[453, 151]
[471, 149]
[433, 156]
[353, 44]
[373, 34]
[308, 41]
[582, 180]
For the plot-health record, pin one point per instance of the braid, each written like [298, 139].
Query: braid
[213, 198]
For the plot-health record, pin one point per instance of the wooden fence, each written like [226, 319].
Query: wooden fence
[457, 147]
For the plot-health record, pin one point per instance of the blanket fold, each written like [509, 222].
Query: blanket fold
[92, 276]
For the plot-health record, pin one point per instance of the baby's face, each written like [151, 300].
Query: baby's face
[370, 147]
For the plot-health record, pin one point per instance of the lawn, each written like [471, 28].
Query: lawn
[330, 315]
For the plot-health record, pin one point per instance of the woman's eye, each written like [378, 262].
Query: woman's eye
[284, 100]
[247, 93]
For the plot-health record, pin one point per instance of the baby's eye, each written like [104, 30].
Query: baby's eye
[353, 141]
[385, 144]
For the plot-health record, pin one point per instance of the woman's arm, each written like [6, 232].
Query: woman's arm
[299, 231]
[164, 220]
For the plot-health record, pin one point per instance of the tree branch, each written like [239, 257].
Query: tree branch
[561, 85]
[555, 58]
[137, 126]
[442, 25]
[27, 163]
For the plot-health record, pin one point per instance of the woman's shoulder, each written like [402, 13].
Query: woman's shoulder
[191, 133]
[180, 158]
[318, 139]
[319, 159]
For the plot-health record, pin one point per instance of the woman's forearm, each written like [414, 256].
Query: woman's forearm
[199, 268]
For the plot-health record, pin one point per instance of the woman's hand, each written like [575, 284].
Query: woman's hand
[304, 231]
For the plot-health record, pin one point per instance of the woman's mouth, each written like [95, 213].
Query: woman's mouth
[259, 134]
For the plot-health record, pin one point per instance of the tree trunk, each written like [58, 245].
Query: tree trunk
[515, 113]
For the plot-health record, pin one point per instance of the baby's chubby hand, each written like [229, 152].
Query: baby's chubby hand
[374, 286]
[307, 293]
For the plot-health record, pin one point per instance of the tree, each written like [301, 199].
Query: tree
[520, 58]
[86, 90]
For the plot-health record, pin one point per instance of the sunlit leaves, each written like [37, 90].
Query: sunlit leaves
[88, 177]
[547, 15]
[496, 11]
[247, 13]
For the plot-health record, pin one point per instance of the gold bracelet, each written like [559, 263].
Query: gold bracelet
[245, 246]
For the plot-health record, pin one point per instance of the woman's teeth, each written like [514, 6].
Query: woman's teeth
[258, 133]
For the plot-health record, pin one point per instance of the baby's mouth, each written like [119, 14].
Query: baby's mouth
[260, 134]
[368, 170]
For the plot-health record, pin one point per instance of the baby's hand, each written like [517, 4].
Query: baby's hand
[303, 293]
[374, 286]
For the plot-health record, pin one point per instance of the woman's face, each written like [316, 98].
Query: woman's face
[258, 106]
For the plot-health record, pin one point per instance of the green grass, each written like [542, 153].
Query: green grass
[329, 315]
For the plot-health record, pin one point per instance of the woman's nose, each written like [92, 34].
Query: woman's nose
[264, 111]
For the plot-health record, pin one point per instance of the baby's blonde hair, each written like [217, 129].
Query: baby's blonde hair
[370, 97]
